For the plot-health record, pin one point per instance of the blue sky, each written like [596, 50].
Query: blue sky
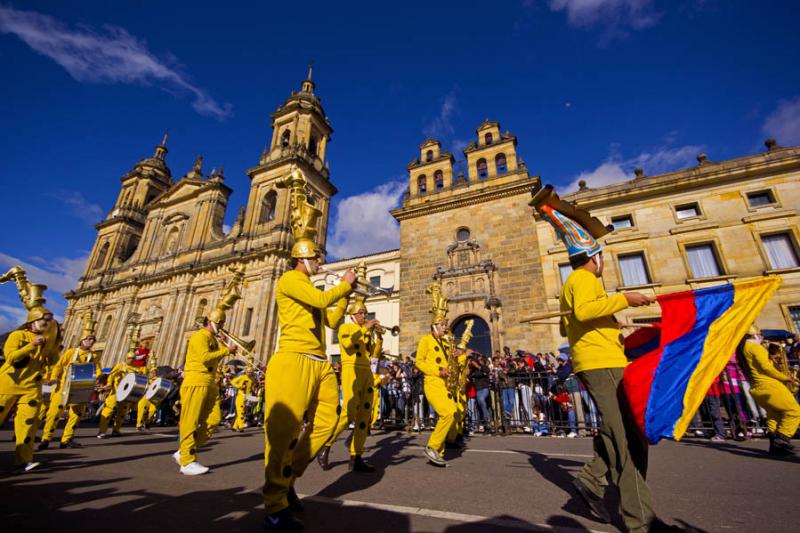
[592, 88]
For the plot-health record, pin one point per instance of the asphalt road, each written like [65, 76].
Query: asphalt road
[510, 483]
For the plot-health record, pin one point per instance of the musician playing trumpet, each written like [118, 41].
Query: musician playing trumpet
[58, 373]
[360, 340]
[119, 371]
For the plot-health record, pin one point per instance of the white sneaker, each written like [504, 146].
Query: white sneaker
[26, 467]
[434, 457]
[415, 428]
[177, 457]
[537, 434]
[571, 435]
[193, 469]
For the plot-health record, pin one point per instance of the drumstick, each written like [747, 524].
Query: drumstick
[552, 314]
[620, 324]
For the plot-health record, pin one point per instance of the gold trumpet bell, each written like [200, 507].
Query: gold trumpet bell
[248, 346]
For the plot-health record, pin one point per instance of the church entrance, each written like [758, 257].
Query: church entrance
[481, 340]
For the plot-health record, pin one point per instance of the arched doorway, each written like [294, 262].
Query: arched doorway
[481, 340]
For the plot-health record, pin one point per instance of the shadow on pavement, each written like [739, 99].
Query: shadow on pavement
[750, 453]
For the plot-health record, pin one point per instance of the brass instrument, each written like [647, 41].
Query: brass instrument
[394, 330]
[454, 368]
[782, 364]
[245, 349]
[362, 287]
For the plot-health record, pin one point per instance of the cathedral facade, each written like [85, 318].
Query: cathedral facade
[161, 257]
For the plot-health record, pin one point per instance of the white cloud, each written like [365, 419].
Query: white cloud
[615, 169]
[80, 206]
[11, 317]
[637, 14]
[441, 127]
[784, 123]
[363, 224]
[112, 56]
[61, 273]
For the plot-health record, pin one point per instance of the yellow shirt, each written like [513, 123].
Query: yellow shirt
[119, 371]
[432, 356]
[357, 346]
[303, 311]
[202, 358]
[244, 383]
[591, 329]
[761, 368]
[58, 372]
[25, 364]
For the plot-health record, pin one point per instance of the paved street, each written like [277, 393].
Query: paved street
[498, 484]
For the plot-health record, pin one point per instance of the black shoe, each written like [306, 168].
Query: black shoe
[283, 520]
[116, 434]
[70, 444]
[779, 446]
[659, 526]
[295, 505]
[592, 501]
[322, 457]
[43, 445]
[357, 464]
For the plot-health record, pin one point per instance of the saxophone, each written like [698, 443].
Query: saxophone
[456, 379]
[464, 369]
[783, 367]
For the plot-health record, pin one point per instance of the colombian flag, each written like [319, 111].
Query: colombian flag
[675, 364]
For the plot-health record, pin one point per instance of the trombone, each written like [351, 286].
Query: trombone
[364, 288]
[243, 348]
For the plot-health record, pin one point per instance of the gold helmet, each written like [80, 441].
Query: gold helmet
[359, 302]
[231, 293]
[88, 325]
[303, 216]
[438, 302]
[754, 330]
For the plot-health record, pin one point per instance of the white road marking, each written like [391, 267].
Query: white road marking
[444, 515]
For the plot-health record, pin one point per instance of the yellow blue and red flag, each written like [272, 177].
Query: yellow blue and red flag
[675, 363]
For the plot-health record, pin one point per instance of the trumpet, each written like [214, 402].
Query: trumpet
[394, 330]
[364, 288]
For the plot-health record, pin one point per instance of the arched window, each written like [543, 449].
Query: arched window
[268, 207]
[285, 138]
[429, 155]
[101, 256]
[312, 145]
[130, 247]
[500, 163]
[106, 327]
[483, 170]
[200, 314]
[422, 184]
[438, 180]
[488, 138]
[462, 234]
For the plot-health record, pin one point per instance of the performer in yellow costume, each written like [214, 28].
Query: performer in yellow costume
[146, 409]
[80, 355]
[244, 384]
[433, 353]
[302, 395]
[28, 351]
[768, 388]
[359, 341]
[119, 371]
[200, 389]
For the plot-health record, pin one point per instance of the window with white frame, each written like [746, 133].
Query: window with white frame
[564, 270]
[794, 316]
[760, 198]
[703, 260]
[622, 222]
[634, 269]
[780, 250]
[687, 211]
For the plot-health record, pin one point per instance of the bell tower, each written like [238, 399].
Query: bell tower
[300, 136]
[119, 234]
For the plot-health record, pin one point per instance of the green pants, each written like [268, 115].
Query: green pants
[620, 451]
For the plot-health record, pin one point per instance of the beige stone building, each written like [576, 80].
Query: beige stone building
[161, 257]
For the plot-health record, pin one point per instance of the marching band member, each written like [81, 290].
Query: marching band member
[599, 360]
[769, 390]
[359, 341]
[28, 351]
[433, 354]
[146, 409]
[200, 390]
[80, 355]
[302, 395]
[244, 384]
[119, 371]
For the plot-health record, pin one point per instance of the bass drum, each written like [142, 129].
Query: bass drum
[131, 388]
[159, 389]
[79, 384]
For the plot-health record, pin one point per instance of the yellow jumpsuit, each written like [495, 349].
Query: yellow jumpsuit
[769, 391]
[58, 373]
[301, 392]
[432, 355]
[119, 371]
[378, 380]
[358, 383]
[21, 384]
[199, 393]
[145, 410]
[244, 386]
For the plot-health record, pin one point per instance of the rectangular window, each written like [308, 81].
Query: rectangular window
[622, 222]
[564, 270]
[375, 280]
[760, 198]
[370, 316]
[794, 316]
[780, 251]
[687, 211]
[703, 261]
[634, 270]
[248, 320]
[335, 337]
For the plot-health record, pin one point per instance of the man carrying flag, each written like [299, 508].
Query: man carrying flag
[599, 361]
